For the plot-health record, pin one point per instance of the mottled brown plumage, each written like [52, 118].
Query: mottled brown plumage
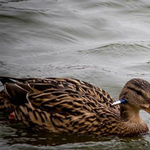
[74, 106]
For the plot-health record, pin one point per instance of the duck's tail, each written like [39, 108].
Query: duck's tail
[5, 104]
[5, 79]
[15, 90]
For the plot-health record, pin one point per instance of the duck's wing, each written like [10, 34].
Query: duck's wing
[78, 86]
[58, 92]
[21, 90]
[65, 111]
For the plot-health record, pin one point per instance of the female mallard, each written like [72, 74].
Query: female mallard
[73, 106]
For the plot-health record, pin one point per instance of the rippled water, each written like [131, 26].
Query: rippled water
[105, 43]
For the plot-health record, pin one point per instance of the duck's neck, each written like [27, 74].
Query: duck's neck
[130, 114]
[131, 122]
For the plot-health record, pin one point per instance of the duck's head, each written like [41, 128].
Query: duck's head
[135, 95]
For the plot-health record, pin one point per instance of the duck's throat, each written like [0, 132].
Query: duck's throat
[129, 114]
[131, 122]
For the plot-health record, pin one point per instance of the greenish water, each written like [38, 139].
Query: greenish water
[105, 43]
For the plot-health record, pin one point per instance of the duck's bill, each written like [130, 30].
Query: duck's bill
[148, 110]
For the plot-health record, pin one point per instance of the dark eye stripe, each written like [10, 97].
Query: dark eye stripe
[137, 91]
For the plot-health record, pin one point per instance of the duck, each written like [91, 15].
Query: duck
[72, 106]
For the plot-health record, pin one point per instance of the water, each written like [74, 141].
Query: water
[105, 43]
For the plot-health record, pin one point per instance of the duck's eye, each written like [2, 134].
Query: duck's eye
[139, 93]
